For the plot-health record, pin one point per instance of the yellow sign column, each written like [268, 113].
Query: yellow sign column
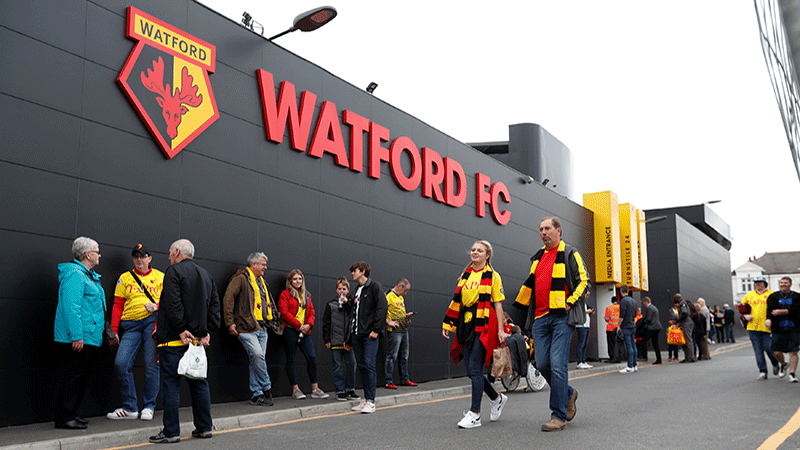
[629, 232]
[642, 227]
[605, 207]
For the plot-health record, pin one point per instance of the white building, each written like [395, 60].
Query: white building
[772, 266]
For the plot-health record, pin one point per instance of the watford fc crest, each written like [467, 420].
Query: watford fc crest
[166, 80]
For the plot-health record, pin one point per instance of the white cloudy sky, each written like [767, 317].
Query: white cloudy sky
[664, 103]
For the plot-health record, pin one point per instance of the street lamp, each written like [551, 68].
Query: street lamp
[310, 20]
[655, 219]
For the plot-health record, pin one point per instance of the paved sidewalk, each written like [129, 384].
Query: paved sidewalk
[104, 433]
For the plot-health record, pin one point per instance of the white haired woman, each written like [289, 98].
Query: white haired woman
[78, 329]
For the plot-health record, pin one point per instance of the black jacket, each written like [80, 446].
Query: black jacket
[651, 320]
[189, 301]
[372, 308]
[337, 323]
[779, 300]
[729, 317]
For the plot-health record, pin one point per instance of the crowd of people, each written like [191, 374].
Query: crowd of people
[162, 314]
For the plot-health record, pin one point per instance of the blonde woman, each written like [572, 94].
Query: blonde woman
[297, 314]
[476, 317]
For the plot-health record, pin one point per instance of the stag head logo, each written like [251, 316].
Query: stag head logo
[166, 57]
[171, 104]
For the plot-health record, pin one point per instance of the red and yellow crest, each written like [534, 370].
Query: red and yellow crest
[166, 79]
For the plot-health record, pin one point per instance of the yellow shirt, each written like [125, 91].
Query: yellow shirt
[469, 292]
[758, 309]
[129, 289]
[396, 311]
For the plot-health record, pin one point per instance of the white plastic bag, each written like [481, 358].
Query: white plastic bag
[194, 364]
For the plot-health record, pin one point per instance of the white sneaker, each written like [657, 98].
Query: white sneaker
[583, 365]
[635, 368]
[470, 420]
[318, 393]
[147, 414]
[792, 378]
[369, 408]
[497, 407]
[627, 370]
[762, 376]
[359, 406]
[782, 370]
[121, 414]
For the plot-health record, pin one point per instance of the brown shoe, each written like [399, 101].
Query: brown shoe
[554, 425]
[571, 409]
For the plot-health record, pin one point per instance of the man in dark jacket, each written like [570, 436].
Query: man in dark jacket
[188, 313]
[627, 326]
[247, 306]
[729, 319]
[369, 322]
[652, 328]
[686, 325]
[783, 319]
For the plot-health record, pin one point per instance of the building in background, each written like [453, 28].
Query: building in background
[688, 254]
[772, 266]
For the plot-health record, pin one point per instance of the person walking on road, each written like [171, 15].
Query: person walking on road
[475, 316]
[760, 337]
[652, 327]
[783, 319]
[557, 281]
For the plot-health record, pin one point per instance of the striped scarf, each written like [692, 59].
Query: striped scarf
[259, 303]
[480, 315]
[558, 285]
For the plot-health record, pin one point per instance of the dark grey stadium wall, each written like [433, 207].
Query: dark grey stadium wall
[76, 160]
[684, 260]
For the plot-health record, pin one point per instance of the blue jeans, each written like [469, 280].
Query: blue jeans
[761, 343]
[475, 360]
[729, 332]
[135, 335]
[171, 393]
[256, 346]
[306, 346]
[344, 369]
[630, 344]
[366, 350]
[551, 340]
[583, 340]
[397, 348]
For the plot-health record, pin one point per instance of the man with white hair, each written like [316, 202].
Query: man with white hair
[188, 313]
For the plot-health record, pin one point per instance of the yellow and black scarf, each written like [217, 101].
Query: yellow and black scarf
[558, 285]
[467, 322]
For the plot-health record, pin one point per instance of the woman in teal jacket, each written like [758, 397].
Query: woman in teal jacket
[78, 329]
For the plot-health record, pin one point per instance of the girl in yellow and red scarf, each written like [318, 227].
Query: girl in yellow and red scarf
[476, 317]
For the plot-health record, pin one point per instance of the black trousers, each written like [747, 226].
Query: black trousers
[652, 336]
[616, 349]
[71, 377]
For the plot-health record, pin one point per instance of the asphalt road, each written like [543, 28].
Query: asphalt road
[715, 404]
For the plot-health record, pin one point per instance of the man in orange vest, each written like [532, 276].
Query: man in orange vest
[612, 324]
